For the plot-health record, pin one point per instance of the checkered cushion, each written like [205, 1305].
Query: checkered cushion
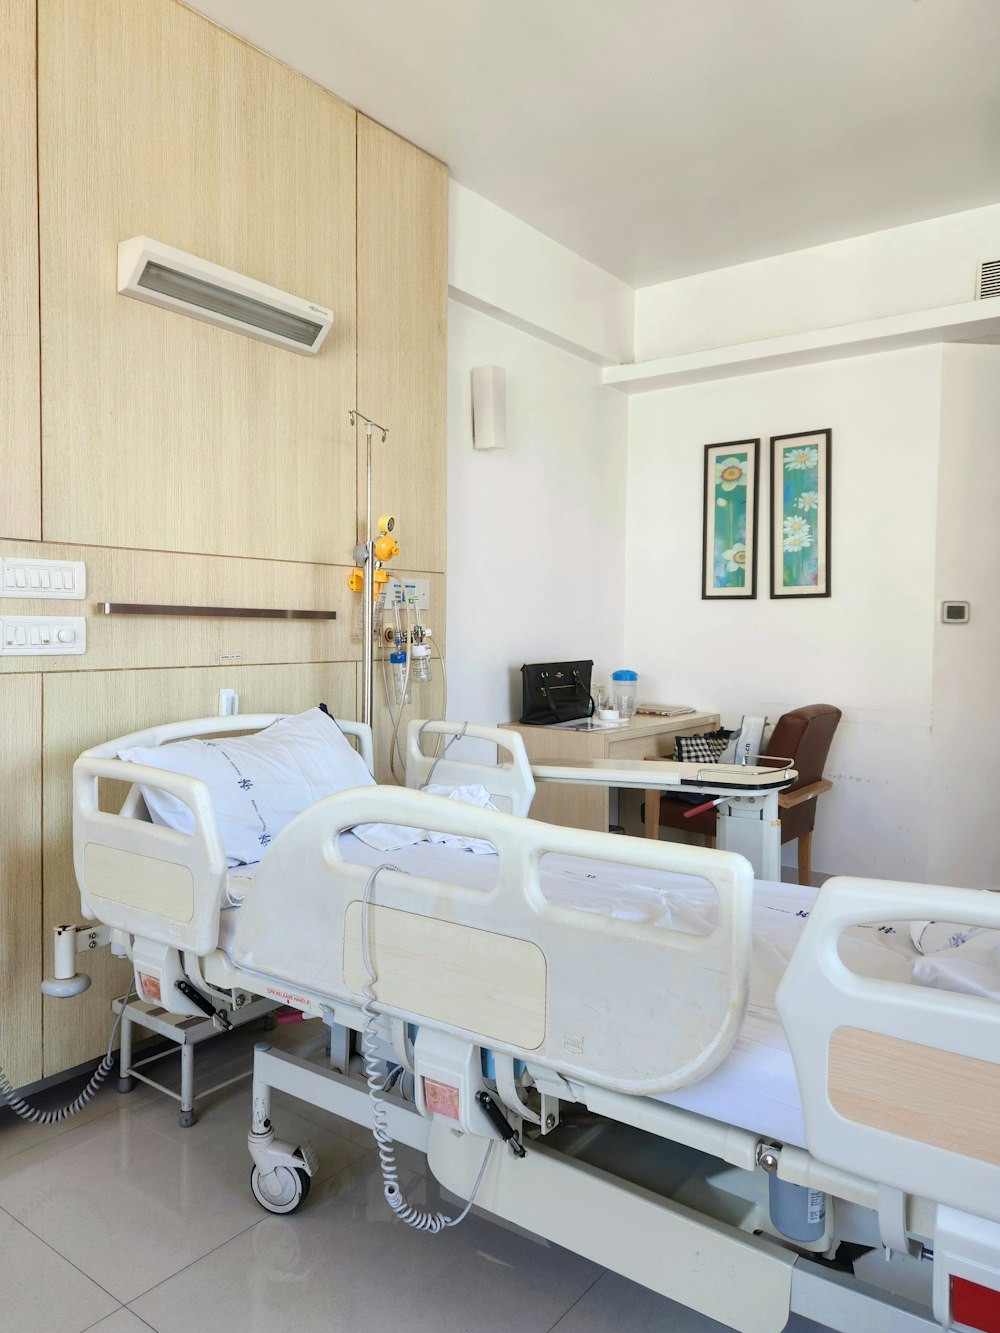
[703, 749]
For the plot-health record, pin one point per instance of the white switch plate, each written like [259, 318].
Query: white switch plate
[42, 636]
[21, 577]
[415, 588]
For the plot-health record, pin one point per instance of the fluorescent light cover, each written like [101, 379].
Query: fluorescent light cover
[160, 275]
[206, 296]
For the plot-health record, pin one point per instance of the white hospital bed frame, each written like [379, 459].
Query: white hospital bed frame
[582, 1011]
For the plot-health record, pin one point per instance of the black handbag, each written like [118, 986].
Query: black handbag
[556, 692]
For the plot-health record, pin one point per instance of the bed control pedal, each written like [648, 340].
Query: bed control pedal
[500, 1122]
[195, 996]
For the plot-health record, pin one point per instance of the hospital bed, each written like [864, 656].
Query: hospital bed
[734, 1096]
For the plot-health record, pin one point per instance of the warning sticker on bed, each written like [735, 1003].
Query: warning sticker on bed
[441, 1098]
[817, 1207]
[150, 987]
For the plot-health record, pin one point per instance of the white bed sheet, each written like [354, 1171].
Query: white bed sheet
[755, 1087]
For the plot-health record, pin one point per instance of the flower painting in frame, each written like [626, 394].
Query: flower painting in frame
[729, 540]
[800, 514]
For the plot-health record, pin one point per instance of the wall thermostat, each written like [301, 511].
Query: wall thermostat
[955, 613]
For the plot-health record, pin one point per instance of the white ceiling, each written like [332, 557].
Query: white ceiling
[665, 137]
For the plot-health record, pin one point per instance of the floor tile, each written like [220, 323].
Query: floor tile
[122, 1321]
[132, 1198]
[616, 1305]
[16, 1135]
[40, 1291]
[343, 1262]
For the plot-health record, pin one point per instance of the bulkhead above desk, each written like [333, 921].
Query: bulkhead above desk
[578, 806]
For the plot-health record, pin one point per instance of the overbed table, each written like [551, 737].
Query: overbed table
[749, 822]
[586, 806]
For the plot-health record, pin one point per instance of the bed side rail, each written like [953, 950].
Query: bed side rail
[139, 877]
[509, 781]
[899, 1083]
[630, 1005]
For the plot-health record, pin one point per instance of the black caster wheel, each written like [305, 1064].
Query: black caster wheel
[270, 1022]
[281, 1191]
[187, 1119]
[126, 1084]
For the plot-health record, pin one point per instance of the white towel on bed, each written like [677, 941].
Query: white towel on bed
[391, 837]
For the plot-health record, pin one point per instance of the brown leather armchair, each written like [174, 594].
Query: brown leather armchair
[803, 736]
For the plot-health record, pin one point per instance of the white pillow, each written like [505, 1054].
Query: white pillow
[257, 783]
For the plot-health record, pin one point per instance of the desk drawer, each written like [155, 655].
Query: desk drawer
[661, 744]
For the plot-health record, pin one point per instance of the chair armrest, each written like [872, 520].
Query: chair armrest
[787, 799]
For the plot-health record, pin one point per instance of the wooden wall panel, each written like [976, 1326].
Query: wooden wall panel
[21, 878]
[161, 431]
[20, 493]
[171, 579]
[85, 709]
[192, 580]
[402, 336]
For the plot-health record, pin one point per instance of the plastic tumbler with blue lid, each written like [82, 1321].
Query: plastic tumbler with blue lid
[624, 689]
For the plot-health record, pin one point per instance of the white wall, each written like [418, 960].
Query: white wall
[868, 648]
[536, 532]
[917, 267]
[499, 265]
[966, 732]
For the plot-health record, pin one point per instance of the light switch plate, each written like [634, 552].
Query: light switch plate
[23, 577]
[42, 636]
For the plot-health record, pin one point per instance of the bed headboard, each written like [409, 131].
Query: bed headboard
[152, 881]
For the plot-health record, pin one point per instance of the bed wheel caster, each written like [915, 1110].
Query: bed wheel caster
[186, 1119]
[126, 1084]
[282, 1190]
[270, 1022]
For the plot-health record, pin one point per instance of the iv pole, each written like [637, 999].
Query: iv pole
[364, 555]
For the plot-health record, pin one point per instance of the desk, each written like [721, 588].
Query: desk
[580, 806]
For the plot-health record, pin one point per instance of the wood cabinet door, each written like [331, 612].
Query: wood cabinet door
[21, 878]
[160, 431]
[403, 337]
[19, 428]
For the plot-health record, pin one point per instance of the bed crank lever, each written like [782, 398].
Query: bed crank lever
[196, 998]
[500, 1122]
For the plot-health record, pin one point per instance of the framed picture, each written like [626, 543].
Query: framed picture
[729, 538]
[800, 514]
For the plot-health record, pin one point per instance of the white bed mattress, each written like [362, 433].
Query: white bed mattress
[755, 1087]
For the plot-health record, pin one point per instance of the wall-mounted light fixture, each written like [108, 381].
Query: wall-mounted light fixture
[157, 273]
[489, 407]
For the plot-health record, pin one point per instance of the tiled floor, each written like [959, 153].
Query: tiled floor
[120, 1221]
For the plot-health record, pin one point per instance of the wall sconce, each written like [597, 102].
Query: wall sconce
[489, 407]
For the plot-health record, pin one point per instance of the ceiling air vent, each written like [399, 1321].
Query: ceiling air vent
[988, 281]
